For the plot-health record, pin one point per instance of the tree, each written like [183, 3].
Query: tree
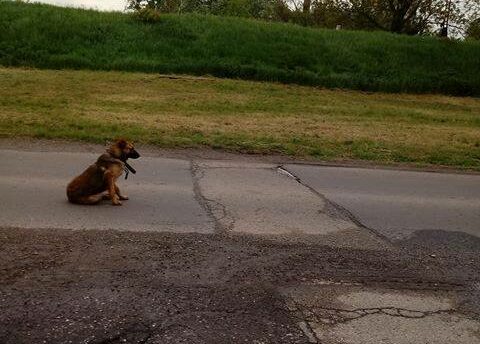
[448, 17]
[473, 30]
[306, 6]
[413, 16]
[400, 16]
[241, 8]
[328, 13]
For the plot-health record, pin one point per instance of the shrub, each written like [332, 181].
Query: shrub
[147, 15]
[474, 29]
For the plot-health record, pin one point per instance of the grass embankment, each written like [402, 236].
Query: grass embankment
[242, 116]
[44, 36]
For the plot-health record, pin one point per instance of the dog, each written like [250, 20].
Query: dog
[97, 182]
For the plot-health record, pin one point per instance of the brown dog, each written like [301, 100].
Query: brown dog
[91, 185]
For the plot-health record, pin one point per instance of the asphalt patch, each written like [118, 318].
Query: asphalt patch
[60, 286]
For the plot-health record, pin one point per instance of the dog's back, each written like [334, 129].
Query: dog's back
[91, 185]
[90, 182]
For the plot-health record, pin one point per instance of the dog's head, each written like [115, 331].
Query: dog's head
[123, 150]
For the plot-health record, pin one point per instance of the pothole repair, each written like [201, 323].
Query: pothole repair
[332, 314]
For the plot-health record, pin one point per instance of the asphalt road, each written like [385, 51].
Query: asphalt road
[237, 251]
[399, 203]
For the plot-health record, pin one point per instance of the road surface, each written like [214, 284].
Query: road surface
[238, 251]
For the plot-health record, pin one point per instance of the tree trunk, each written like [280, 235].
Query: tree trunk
[306, 6]
[398, 22]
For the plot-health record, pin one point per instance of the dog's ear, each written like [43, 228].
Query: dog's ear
[121, 143]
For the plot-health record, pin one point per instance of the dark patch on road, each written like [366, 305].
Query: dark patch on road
[440, 241]
[59, 286]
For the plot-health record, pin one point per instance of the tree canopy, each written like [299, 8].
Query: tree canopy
[444, 17]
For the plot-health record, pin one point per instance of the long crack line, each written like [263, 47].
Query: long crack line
[334, 209]
[211, 207]
[332, 316]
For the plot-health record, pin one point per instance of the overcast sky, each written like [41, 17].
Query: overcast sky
[104, 5]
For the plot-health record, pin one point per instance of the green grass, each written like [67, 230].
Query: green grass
[43, 36]
[242, 116]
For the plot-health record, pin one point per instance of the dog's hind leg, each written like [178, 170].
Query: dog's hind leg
[89, 200]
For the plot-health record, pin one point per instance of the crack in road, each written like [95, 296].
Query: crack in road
[199, 281]
[332, 208]
[333, 316]
[307, 329]
[395, 283]
[148, 287]
[224, 221]
[211, 207]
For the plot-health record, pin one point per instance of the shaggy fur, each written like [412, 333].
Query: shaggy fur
[97, 182]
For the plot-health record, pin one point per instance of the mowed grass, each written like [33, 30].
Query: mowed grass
[241, 116]
[43, 36]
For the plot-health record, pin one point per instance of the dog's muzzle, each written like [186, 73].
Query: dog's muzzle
[133, 154]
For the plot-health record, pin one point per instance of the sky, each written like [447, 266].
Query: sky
[103, 5]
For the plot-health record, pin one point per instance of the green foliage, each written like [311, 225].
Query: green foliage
[473, 31]
[147, 15]
[262, 9]
[43, 36]
[407, 17]
[247, 8]
[327, 14]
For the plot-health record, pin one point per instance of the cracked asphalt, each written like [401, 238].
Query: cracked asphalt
[237, 251]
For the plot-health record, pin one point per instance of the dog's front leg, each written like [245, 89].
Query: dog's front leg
[111, 174]
[117, 191]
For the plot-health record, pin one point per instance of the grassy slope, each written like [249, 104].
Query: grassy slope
[240, 115]
[50, 37]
